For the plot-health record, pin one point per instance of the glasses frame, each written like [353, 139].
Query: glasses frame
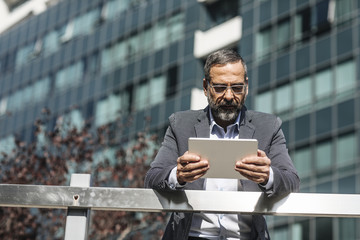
[227, 87]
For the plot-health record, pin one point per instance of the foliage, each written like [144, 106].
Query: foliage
[66, 149]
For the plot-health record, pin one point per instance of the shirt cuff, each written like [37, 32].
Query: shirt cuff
[173, 183]
[270, 182]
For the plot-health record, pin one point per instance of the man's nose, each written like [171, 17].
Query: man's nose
[229, 95]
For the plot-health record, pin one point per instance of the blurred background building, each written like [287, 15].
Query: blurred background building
[141, 60]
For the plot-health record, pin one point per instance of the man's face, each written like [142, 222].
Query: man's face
[226, 103]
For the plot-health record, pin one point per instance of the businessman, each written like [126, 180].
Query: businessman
[175, 168]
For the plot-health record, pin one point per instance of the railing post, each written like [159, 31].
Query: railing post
[77, 220]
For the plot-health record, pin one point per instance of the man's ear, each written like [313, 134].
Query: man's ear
[205, 87]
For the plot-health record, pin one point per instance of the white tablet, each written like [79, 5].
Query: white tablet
[223, 154]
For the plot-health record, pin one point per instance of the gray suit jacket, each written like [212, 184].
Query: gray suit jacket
[266, 128]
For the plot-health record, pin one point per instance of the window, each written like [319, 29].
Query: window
[302, 161]
[346, 148]
[69, 76]
[85, 23]
[111, 108]
[141, 96]
[176, 27]
[303, 25]
[283, 98]
[302, 92]
[347, 228]
[149, 93]
[345, 77]
[283, 35]
[263, 42]
[73, 119]
[157, 90]
[323, 16]
[160, 36]
[115, 7]
[323, 155]
[263, 102]
[51, 43]
[343, 9]
[7, 145]
[23, 55]
[3, 104]
[156, 37]
[323, 84]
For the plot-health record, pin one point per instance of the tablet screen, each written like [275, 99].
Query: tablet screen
[223, 154]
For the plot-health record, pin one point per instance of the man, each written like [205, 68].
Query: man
[174, 168]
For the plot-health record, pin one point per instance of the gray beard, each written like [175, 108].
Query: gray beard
[224, 114]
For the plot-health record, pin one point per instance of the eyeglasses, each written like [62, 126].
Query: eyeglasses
[237, 88]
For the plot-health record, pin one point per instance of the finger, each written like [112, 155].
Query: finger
[253, 168]
[253, 176]
[188, 157]
[193, 165]
[261, 153]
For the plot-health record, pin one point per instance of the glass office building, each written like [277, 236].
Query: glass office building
[98, 60]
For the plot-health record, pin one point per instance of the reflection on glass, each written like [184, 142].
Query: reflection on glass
[263, 102]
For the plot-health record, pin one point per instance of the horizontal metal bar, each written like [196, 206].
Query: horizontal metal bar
[147, 200]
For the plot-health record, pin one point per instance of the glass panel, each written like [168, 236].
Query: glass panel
[347, 228]
[69, 76]
[147, 40]
[263, 102]
[23, 55]
[141, 96]
[302, 161]
[324, 228]
[111, 108]
[302, 92]
[283, 98]
[176, 27]
[113, 8]
[346, 149]
[343, 9]
[263, 42]
[283, 36]
[160, 35]
[300, 231]
[85, 23]
[346, 113]
[280, 233]
[51, 43]
[323, 155]
[323, 120]
[303, 25]
[345, 76]
[323, 84]
[347, 185]
[7, 145]
[157, 90]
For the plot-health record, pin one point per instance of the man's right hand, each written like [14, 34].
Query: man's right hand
[190, 167]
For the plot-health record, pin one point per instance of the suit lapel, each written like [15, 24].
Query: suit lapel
[202, 128]
[247, 129]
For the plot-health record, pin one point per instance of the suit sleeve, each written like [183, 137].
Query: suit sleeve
[165, 160]
[286, 179]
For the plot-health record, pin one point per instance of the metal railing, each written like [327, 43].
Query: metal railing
[79, 199]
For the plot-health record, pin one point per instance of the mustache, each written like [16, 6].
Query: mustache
[227, 104]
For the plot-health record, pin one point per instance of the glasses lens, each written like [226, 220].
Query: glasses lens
[219, 88]
[238, 88]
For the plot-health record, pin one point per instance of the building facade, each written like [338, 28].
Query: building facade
[141, 60]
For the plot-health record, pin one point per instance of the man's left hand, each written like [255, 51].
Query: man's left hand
[255, 168]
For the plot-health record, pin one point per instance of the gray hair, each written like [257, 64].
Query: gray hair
[223, 57]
